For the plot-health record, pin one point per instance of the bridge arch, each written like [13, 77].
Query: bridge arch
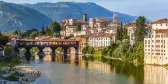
[59, 54]
[65, 44]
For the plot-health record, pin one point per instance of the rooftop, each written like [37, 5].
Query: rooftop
[161, 21]
[162, 31]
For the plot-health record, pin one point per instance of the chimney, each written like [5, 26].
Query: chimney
[85, 17]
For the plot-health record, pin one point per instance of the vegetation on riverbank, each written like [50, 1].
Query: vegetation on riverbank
[10, 63]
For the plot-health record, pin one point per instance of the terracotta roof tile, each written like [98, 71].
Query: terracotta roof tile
[162, 31]
[161, 21]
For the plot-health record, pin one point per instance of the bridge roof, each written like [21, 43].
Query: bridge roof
[55, 40]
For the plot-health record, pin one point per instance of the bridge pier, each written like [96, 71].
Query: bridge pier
[28, 54]
[65, 54]
[41, 54]
[77, 55]
[53, 54]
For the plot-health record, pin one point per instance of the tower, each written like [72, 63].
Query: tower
[115, 18]
[92, 22]
[85, 17]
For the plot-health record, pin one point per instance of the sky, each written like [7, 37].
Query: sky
[151, 9]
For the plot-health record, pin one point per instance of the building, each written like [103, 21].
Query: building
[131, 31]
[131, 27]
[94, 26]
[74, 26]
[100, 41]
[156, 43]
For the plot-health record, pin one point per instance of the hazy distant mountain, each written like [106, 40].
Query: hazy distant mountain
[14, 16]
[63, 10]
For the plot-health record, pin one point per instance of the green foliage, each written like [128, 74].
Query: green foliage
[52, 30]
[105, 51]
[8, 52]
[138, 52]
[70, 36]
[140, 29]
[85, 50]
[122, 50]
[33, 34]
[34, 50]
[88, 50]
[55, 27]
[43, 30]
[97, 55]
[11, 63]
[0, 34]
[121, 32]
[3, 40]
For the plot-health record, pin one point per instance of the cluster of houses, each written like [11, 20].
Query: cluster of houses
[99, 33]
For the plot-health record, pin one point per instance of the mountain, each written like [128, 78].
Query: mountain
[18, 17]
[64, 10]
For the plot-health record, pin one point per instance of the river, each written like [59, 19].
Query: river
[111, 72]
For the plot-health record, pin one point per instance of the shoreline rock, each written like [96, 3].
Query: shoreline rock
[26, 75]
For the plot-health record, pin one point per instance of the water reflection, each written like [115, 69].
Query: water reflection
[110, 72]
[155, 75]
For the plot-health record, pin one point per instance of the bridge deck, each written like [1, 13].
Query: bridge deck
[54, 40]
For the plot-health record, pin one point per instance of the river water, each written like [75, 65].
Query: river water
[111, 72]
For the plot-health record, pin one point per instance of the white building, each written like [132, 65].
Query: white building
[131, 31]
[156, 44]
[100, 40]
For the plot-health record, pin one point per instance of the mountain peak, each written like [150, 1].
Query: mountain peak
[64, 10]
[18, 17]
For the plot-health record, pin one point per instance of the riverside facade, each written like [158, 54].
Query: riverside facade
[156, 44]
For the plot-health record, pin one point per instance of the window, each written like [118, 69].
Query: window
[145, 41]
[148, 41]
[160, 24]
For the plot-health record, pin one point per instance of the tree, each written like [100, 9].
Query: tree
[122, 50]
[8, 52]
[90, 50]
[4, 40]
[140, 29]
[105, 51]
[85, 49]
[70, 36]
[0, 34]
[43, 30]
[138, 52]
[121, 32]
[33, 34]
[55, 27]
